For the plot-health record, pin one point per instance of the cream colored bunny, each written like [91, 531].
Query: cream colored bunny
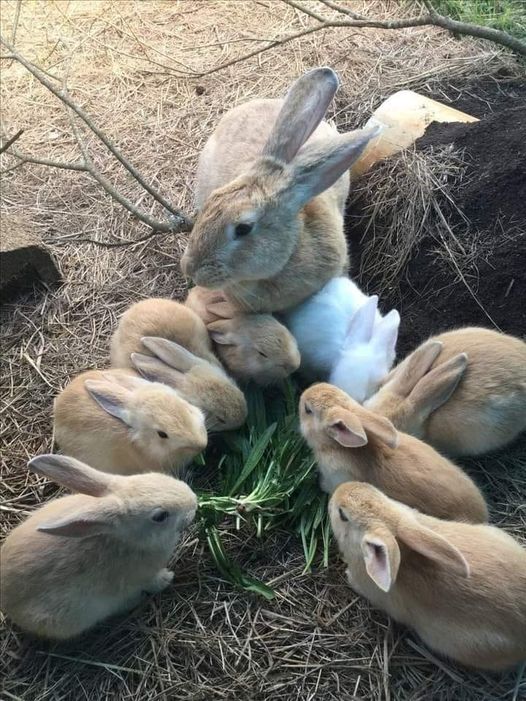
[81, 558]
[462, 587]
[463, 391]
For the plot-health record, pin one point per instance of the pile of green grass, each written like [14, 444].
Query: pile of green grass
[266, 480]
[506, 15]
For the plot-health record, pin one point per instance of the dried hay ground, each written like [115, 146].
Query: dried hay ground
[126, 62]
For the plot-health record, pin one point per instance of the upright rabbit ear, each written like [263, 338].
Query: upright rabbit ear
[405, 376]
[381, 555]
[94, 520]
[346, 428]
[432, 545]
[73, 474]
[379, 427]
[435, 388]
[385, 334]
[155, 370]
[360, 329]
[111, 397]
[303, 109]
[221, 332]
[172, 353]
[319, 165]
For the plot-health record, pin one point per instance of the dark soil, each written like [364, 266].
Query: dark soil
[492, 199]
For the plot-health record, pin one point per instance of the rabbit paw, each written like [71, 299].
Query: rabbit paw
[162, 579]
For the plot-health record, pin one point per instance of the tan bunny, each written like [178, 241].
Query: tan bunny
[254, 347]
[271, 189]
[124, 424]
[81, 558]
[205, 385]
[200, 299]
[463, 391]
[164, 318]
[462, 587]
[352, 443]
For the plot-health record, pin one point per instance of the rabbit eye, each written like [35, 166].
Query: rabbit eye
[343, 516]
[162, 434]
[242, 230]
[308, 410]
[263, 355]
[160, 515]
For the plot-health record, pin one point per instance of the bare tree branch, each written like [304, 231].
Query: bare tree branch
[65, 98]
[11, 141]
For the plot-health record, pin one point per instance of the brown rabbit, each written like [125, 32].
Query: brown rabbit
[463, 391]
[124, 424]
[84, 557]
[271, 189]
[254, 347]
[201, 383]
[159, 317]
[352, 443]
[462, 587]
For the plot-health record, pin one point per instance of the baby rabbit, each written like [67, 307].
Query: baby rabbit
[342, 338]
[200, 299]
[56, 587]
[164, 318]
[124, 424]
[271, 188]
[352, 443]
[254, 346]
[462, 587]
[463, 391]
[201, 383]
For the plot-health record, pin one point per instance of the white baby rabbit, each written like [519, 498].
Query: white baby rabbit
[124, 424]
[343, 338]
[462, 587]
[81, 558]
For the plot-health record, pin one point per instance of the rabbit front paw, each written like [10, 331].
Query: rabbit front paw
[162, 579]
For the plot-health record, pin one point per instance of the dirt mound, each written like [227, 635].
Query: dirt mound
[478, 276]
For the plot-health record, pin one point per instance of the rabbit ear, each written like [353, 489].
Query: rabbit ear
[303, 109]
[346, 429]
[319, 165]
[433, 546]
[73, 474]
[171, 353]
[222, 309]
[155, 370]
[129, 382]
[406, 376]
[435, 388]
[90, 522]
[380, 428]
[385, 333]
[360, 329]
[220, 332]
[381, 555]
[111, 397]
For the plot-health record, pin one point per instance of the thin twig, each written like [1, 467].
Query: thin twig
[15, 21]
[66, 99]
[11, 141]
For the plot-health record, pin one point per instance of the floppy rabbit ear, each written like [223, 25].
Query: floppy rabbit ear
[380, 428]
[129, 382]
[385, 333]
[433, 546]
[319, 165]
[435, 388]
[171, 353]
[406, 376]
[222, 309]
[73, 474]
[346, 429]
[361, 325]
[155, 370]
[111, 397]
[381, 555]
[221, 333]
[83, 524]
[303, 109]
